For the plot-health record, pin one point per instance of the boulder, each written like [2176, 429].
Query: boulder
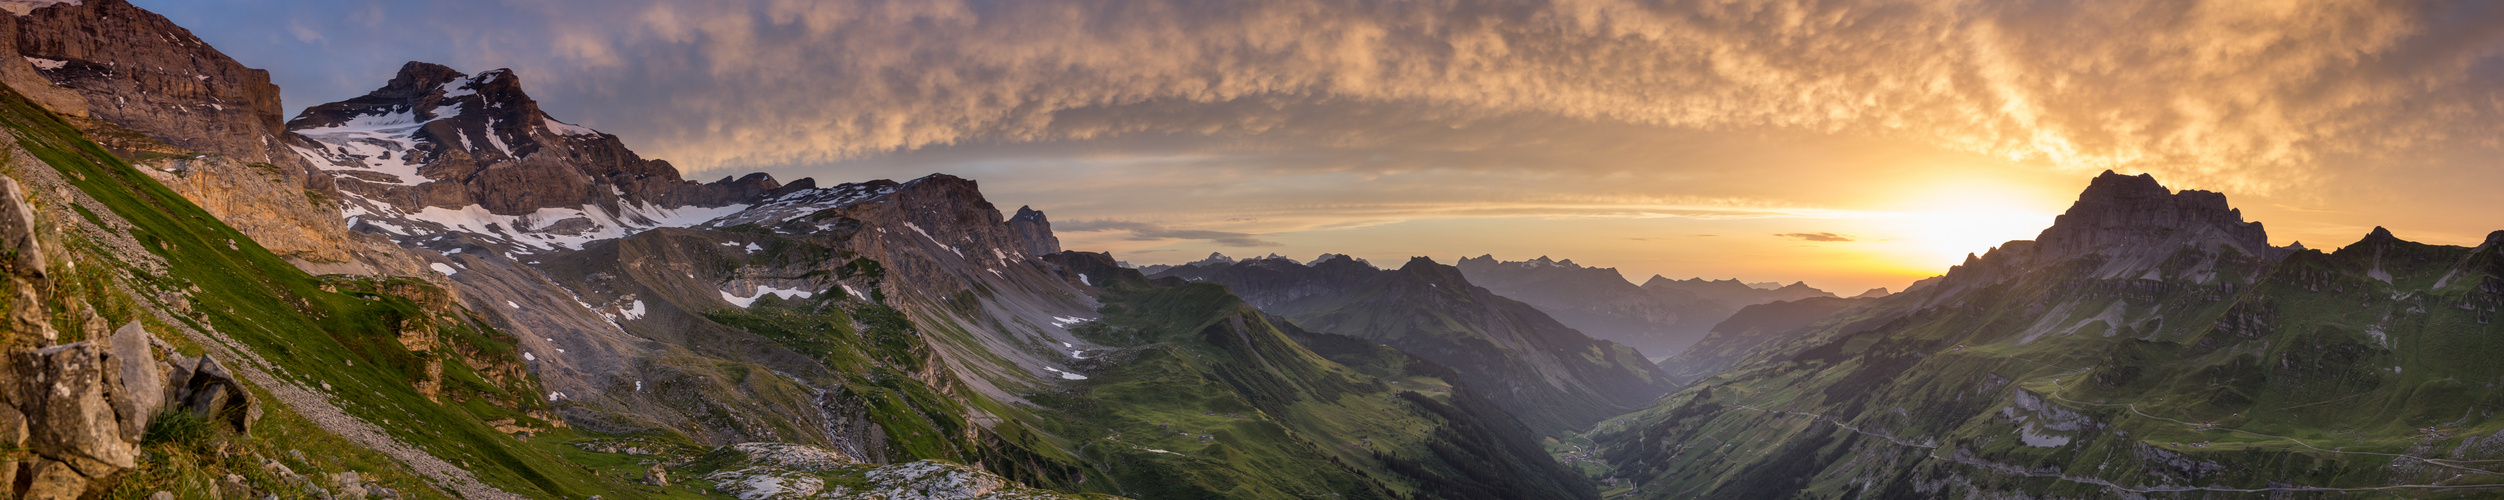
[17, 231]
[210, 390]
[65, 391]
[656, 476]
[351, 486]
[52, 480]
[177, 378]
[142, 390]
[232, 486]
[26, 315]
[12, 436]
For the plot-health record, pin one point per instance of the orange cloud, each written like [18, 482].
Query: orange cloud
[2212, 93]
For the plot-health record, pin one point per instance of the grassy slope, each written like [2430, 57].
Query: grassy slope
[317, 338]
[1287, 414]
[1431, 310]
[2209, 386]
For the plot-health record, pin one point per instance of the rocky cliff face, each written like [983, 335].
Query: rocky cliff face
[2126, 227]
[203, 124]
[1548, 375]
[1031, 226]
[2118, 215]
[138, 70]
[436, 151]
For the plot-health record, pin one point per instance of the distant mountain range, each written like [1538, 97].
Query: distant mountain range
[1552, 377]
[1661, 318]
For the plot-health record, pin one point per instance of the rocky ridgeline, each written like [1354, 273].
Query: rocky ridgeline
[137, 70]
[1548, 375]
[2120, 213]
[80, 409]
[436, 151]
[2127, 227]
[1661, 318]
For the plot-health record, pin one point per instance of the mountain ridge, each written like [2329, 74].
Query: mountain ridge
[1661, 318]
[2151, 345]
[1545, 373]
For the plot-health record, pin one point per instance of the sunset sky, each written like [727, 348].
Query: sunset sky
[1848, 143]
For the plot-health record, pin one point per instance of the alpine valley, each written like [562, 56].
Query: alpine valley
[438, 290]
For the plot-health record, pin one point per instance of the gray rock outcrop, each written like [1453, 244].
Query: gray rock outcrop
[78, 410]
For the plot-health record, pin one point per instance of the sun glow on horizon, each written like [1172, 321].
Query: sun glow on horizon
[1938, 228]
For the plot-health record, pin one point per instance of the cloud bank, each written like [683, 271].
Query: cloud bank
[2215, 90]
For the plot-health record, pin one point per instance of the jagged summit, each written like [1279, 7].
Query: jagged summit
[2374, 241]
[1733, 287]
[2129, 227]
[1215, 258]
[1031, 225]
[1331, 257]
[435, 151]
[488, 140]
[2124, 213]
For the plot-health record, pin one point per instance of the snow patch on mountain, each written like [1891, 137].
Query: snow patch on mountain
[802, 203]
[546, 229]
[764, 290]
[566, 129]
[383, 144]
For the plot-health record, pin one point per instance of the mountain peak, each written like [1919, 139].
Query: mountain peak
[2377, 238]
[417, 77]
[1333, 257]
[1028, 213]
[1214, 259]
[478, 145]
[2135, 213]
